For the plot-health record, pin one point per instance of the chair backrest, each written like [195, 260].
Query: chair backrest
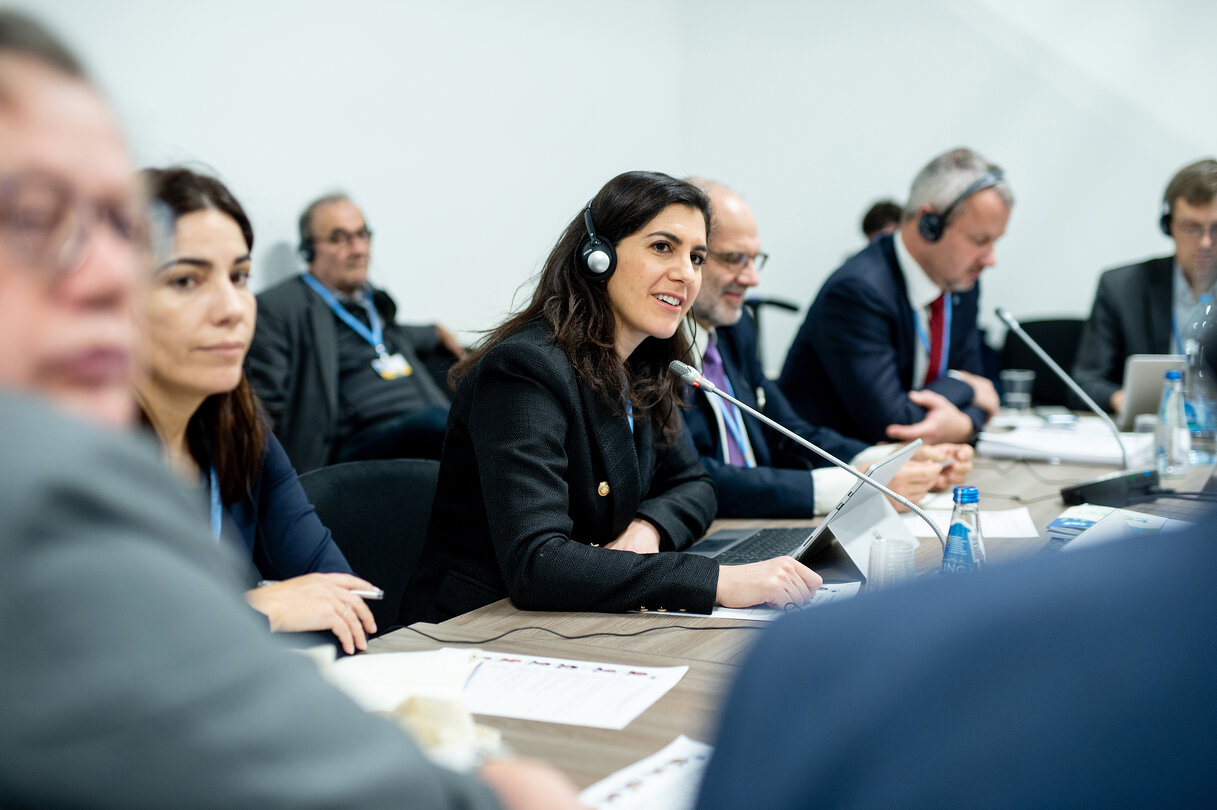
[1059, 337]
[378, 512]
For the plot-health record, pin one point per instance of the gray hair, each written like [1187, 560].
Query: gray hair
[946, 177]
[25, 37]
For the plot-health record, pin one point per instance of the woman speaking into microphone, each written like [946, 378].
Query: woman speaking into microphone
[565, 483]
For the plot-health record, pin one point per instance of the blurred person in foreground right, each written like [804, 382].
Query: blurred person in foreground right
[1047, 682]
[134, 673]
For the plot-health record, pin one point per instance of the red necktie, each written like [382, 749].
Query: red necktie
[936, 339]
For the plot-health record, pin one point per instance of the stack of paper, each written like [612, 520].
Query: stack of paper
[1088, 441]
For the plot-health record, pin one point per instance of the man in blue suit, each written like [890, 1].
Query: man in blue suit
[1072, 680]
[758, 471]
[890, 349]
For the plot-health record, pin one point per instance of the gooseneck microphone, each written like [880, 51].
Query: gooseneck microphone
[1017, 328]
[693, 377]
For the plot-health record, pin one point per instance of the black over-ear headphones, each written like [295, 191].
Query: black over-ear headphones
[1164, 221]
[597, 259]
[932, 225]
[306, 250]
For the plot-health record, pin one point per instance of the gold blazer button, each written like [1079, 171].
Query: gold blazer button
[603, 489]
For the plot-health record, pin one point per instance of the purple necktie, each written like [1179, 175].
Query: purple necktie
[712, 368]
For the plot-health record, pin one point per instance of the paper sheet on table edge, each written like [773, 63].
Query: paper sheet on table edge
[988, 517]
[595, 794]
[836, 592]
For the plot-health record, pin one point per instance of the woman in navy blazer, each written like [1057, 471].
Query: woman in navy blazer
[565, 483]
[197, 318]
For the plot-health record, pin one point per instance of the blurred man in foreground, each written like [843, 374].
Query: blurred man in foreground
[134, 674]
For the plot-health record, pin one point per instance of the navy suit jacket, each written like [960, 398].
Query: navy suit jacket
[1066, 680]
[1131, 315]
[851, 365]
[780, 486]
[281, 531]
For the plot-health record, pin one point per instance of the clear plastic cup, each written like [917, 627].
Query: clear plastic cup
[891, 562]
[1016, 384]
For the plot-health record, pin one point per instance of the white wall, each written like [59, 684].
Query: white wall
[472, 131]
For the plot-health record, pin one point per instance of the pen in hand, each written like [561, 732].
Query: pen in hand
[374, 594]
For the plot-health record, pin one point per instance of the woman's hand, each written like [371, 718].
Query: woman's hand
[525, 784]
[317, 602]
[640, 537]
[777, 583]
[955, 473]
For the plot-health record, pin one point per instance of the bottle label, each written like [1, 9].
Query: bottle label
[959, 555]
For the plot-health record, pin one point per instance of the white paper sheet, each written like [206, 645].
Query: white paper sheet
[1088, 441]
[559, 690]
[993, 522]
[380, 682]
[668, 779]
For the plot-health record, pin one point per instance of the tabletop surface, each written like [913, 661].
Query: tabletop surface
[712, 648]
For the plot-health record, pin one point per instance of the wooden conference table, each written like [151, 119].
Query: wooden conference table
[714, 648]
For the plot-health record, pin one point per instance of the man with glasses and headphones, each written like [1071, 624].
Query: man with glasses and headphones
[340, 378]
[1143, 308]
[890, 348]
[757, 471]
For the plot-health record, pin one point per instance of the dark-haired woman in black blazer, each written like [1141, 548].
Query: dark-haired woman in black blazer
[565, 483]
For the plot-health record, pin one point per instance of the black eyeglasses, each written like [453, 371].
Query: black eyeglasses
[738, 261]
[347, 238]
[46, 225]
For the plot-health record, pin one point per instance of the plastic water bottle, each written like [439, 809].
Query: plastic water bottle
[965, 547]
[1172, 438]
[1198, 385]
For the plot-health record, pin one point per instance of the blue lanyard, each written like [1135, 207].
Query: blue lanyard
[946, 335]
[1175, 331]
[217, 511]
[374, 336]
[629, 414]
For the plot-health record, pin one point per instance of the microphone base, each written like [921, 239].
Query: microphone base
[1117, 489]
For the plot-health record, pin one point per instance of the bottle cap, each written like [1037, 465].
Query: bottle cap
[967, 494]
[1173, 375]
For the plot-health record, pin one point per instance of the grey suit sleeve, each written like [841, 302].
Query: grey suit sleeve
[135, 676]
[1099, 366]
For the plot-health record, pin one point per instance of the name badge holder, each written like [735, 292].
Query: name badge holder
[388, 366]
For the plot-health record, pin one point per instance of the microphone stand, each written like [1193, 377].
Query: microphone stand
[690, 375]
[1017, 328]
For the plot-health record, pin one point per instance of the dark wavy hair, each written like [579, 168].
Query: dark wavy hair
[577, 312]
[228, 431]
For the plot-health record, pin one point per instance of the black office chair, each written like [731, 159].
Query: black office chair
[378, 512]
[1060, 337]
[754, 306]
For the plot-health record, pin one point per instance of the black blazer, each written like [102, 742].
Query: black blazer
[538, 472]
[851, 365]
[780, 486]
[1131, 315]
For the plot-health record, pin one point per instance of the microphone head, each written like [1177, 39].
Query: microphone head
[1006, 317]
[685, 371]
